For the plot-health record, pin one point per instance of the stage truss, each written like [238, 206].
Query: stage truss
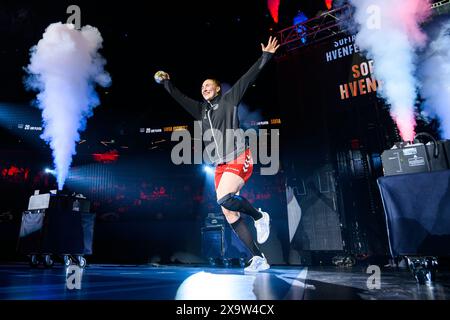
[330, 23]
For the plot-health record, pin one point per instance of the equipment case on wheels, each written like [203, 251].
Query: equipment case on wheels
[56, 226]
[416, 208]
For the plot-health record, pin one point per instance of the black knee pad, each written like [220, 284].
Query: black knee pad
[230, 201]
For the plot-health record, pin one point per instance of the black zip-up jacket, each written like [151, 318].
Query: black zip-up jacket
[221, 114]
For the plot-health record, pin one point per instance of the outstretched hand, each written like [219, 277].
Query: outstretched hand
[272, 45]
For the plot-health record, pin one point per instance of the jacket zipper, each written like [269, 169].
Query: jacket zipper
[212, 131]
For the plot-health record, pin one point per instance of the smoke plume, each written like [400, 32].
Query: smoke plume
[434, 73]
[65, 67]
[390, 33]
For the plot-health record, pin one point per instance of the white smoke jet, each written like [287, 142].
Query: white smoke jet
[434, 73]
[393, 44]
[64, 67]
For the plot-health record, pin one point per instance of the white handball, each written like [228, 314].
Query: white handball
[160, 76]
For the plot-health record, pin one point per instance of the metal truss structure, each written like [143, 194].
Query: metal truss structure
[329, 24]
[441, 6]
[325, 25]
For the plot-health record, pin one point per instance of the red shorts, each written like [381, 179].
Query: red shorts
[241, 166]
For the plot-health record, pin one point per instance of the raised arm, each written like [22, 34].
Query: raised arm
[240, 87]
[190, 105]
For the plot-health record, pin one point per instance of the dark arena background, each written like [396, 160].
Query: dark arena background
[153, 230]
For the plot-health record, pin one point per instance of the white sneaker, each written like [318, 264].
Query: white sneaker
[262, 227]
[257, 264]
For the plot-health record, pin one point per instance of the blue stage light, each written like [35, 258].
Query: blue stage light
[208, 169]
[50, 171]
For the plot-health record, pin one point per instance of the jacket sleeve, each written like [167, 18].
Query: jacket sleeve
[240, 87]
[192, 106]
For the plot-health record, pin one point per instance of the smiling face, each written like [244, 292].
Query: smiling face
[210, 89]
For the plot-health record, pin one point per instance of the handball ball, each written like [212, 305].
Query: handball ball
[159, 76]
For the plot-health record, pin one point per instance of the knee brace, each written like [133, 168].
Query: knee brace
[231, 202]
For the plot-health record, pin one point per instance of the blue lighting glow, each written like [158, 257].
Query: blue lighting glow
[50, 171]
[301, 29]
[209, 170]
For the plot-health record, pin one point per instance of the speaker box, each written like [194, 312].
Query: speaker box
[213, 239]
[220, 242]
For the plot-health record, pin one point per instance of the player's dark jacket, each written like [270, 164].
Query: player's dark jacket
[221, 114]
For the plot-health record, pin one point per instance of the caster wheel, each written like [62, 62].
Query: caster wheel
[34, 261]
[81, 261]
[212, 262]
[226, 263]
[48, 261]
[67, 260]
[422, 276]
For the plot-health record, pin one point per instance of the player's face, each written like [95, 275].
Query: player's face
[209, 89]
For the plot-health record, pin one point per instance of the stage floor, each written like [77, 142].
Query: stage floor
[150, 282]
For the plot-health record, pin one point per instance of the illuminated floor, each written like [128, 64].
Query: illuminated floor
[119, 282]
